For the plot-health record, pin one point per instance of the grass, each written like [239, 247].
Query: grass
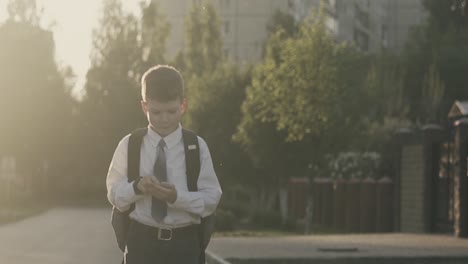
[263, 232]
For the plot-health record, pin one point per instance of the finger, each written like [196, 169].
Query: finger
[159, 195]
[154, 180]
[160, 188]
[144, 189]
[162, 192]
[148, 185]
[146, 178]
[146, 181]
[167, 185]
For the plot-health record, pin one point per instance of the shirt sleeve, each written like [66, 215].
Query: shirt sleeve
[206, 199]
[120, 192]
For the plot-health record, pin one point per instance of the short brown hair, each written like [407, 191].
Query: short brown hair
[163, 83]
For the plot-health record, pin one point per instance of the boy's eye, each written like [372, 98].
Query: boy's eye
[159, 112]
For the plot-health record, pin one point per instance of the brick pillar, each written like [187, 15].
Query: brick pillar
[402, 138]
[461, 179]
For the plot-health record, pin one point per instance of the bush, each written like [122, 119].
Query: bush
[225, 220]
[266, 219]
[239, 209]
[354, 165]
[290, 224]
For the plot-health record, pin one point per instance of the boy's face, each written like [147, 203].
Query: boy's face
[164, 117]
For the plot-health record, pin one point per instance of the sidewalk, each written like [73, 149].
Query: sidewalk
[369, 248]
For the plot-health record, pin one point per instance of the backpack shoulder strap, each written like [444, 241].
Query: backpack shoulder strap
[192, 158]
[133, 156]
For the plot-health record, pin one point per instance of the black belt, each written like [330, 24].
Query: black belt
[166, 233]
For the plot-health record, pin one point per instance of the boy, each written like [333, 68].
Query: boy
[164, 222]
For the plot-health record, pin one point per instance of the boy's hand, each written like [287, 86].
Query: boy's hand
[146, 184]
[164, 191]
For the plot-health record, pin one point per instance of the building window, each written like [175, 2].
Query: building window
[361, 39]
[361, 16]
[384, 37]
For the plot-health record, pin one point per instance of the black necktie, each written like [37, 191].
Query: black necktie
[158, 207]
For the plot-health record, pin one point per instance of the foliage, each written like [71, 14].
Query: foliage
[124, 46]
[154, 33]
[267, 219]
[225, 220]
[282, 21]
[435, 60]
[238, 209]
[215, 91]
[36, 104]
[214, 112]
[305, 94]
[203, 49]
[384, 85]
[354, 165]
[264, 219]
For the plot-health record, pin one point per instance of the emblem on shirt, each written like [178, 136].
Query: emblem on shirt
[191, 147]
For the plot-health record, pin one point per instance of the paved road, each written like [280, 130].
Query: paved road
[60, 236]
[346, 247]
[78, 236]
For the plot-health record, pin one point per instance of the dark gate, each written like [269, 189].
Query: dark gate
[442, 218]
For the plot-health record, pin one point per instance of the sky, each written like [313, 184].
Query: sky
[72, 22]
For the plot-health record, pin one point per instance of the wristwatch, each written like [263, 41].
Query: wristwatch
[135, 186]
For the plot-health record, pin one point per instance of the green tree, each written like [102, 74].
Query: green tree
[215, 91]
[36, 105]
[307, 82]
[308, 92]
[384, 85]
[443, 39]
[214, 112]
[203, 48]
[432, 93]
[124, 46]
[282, 21]
[23, 11]
[155, 30]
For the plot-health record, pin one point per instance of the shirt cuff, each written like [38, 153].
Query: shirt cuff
[126, 196]
[188, 201]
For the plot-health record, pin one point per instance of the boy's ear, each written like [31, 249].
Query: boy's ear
[183, 105]
[144, 107]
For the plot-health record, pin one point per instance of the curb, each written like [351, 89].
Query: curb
[211, 258]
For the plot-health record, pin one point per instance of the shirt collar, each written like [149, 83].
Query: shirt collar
[171, 139]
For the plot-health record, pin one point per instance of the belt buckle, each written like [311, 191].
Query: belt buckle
[164, 234]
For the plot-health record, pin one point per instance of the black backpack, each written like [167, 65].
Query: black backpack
[121, 220]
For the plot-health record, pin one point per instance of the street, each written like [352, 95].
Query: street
[84, 235]
[60, 236]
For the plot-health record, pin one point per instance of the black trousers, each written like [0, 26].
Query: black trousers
[144, 247]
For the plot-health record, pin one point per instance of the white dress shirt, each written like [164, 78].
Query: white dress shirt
[189, 206]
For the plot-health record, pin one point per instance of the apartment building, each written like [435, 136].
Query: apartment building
[243, 25]
[372, 25]
[404, 16]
